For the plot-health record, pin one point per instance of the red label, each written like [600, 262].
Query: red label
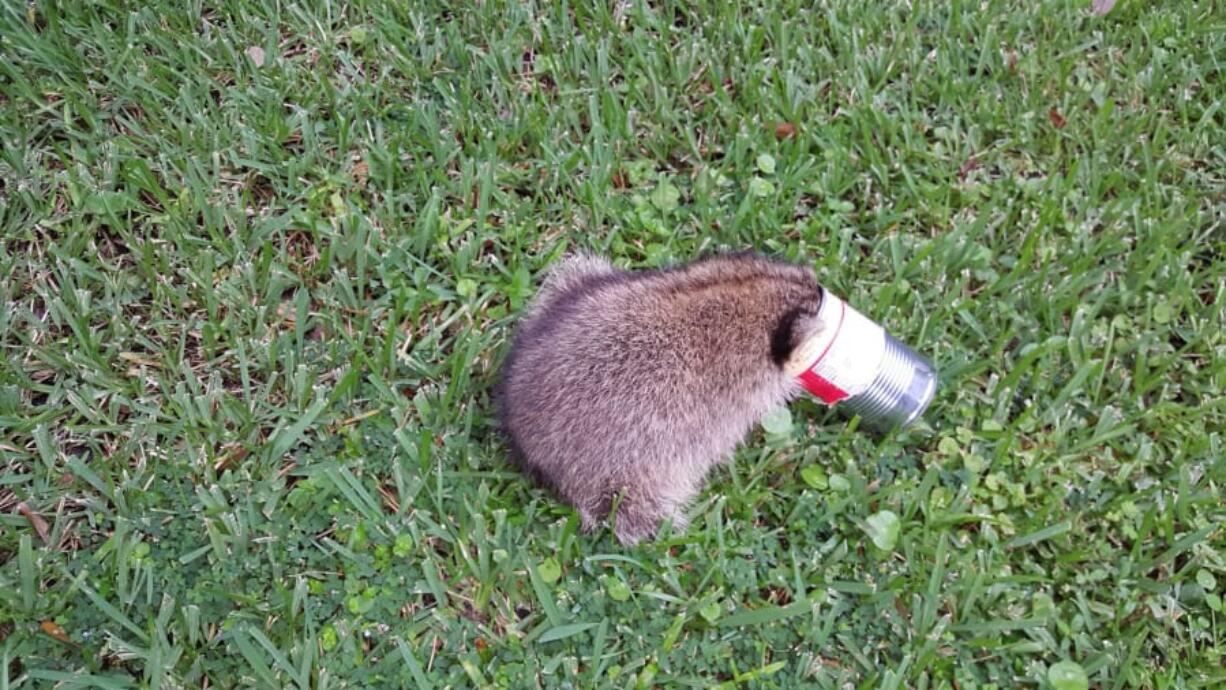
[822, 388]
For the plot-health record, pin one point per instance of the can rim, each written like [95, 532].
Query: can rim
[928, 396]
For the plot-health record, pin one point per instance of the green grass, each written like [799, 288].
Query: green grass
[253, 304]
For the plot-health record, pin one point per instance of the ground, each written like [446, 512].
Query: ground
[259, 263]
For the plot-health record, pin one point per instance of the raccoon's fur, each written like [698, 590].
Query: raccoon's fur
[634, 384]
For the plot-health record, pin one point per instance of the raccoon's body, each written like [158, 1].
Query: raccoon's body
[634, 384]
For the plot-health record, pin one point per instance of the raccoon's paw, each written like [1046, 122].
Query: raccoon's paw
[680, 521]
[588, 521]
[632, 530]
[637, 520]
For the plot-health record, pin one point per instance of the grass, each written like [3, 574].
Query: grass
[260, 261]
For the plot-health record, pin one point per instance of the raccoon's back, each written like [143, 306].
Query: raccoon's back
[604, 380]
[589, 360]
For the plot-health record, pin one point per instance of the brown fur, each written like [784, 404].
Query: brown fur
[635, 384]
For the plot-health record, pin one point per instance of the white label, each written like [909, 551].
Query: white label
[843, 356]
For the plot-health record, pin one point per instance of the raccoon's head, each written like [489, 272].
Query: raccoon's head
[795, 326]
[780, 297]
[791, 329]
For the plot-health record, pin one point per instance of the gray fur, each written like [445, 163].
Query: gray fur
[635, 384]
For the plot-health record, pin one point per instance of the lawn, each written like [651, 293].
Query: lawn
[259, 263]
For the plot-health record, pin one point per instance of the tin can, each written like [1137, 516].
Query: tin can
[853, 363]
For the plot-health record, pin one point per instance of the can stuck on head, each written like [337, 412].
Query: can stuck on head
[853, 362]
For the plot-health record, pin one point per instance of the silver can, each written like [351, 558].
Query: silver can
[851, 362]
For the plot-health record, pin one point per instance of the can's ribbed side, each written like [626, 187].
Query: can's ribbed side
[901, 391]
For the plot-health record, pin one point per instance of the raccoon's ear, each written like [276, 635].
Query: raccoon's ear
[790, 330]
[573, 272]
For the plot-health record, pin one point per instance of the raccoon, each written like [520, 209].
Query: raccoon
[625, 388]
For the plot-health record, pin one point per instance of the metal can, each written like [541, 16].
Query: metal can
[853, 362]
